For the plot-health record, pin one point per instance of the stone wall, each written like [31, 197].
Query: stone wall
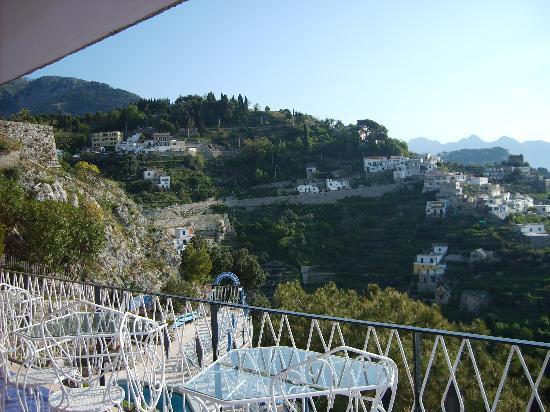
[38, 143]
[314, 198]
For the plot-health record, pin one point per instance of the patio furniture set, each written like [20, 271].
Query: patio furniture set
[88, 357]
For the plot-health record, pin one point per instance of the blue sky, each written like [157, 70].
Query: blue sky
[439, 69]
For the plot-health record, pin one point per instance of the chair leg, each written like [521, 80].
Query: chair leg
[377, 401]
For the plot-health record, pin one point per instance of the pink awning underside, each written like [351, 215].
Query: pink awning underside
[35, 33]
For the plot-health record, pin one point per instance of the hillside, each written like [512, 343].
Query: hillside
[476, 156]
[535, 151]
[53, 94]
[74, 220]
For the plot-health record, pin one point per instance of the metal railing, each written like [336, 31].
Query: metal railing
[438, 369]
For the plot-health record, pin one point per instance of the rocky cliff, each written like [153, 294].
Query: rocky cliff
[136, 253]
[37, 142]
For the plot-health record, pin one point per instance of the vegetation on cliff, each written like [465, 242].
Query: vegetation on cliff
[83, 225]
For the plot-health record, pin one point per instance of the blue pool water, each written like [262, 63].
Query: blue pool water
[177, 399]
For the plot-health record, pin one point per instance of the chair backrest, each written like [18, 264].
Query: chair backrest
[323, 379]
[16, 310]
[144, 361]
[83, 343]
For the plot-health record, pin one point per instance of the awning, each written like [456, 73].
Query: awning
[35, 33]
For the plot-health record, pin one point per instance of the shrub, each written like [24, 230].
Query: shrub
[56, 234]
[83, 168]
[8, 145]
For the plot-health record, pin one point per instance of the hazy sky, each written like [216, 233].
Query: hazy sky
[439, 69]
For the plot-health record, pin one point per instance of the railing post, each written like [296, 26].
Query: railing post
[215, 330]
[27, 282]
[417, 377]
[97, 301]
[97, 295]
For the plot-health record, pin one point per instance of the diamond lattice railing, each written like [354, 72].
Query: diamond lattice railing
[438, 370]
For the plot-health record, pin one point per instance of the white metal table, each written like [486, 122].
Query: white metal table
[271, 375]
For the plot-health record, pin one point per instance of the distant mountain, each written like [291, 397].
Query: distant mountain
[53, 94]
[536, 152]
[476, 156]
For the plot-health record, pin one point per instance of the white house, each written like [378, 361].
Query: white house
[478, 181]
[534, 234]
[440, 248]
[159, 179]
[131, 144]
[149, 174]
[434, 179]
[307, 188]
[162, 138]
[430, 269]
[177, 146]
[531, 228]
[164, 182]
[430, 258]
[494, 173]
[499, 210]
[182, 236]
[339, 184]
[542, 210]
[458, 177]
[436, 208]
[376, 164]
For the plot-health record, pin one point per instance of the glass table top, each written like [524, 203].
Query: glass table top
[76, 324]
[247, 375]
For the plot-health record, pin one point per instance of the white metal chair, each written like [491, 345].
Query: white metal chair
[328, 376]
[16, 312]
[143, 355]
[31, 374]
[83, 344]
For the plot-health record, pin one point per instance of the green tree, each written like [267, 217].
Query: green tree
[222, 260]
[131, 117]
[195, 262]
[61, 235]
[373, 130]
[24, 115]
[248, 269]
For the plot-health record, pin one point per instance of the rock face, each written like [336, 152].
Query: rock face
[38, 143]
[136, 253]
[45, 191]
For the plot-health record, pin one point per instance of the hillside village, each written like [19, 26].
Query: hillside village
[452, 193]
[320, 201]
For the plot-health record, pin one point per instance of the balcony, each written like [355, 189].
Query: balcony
[437, 369]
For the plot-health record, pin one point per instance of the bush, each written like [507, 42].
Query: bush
[8, 145]
[61, 235]
[83, 168]
[57, 234]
